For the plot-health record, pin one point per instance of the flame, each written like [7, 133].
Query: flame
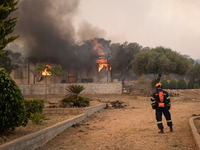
[102, 61]
[45, 72]
[97, 47]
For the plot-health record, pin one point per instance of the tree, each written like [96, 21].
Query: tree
[7, 23]
[160, 61]
[5, 62]
[12, 107]
[11, 60]
[165, 84]
[122, 55]
[194, 72]
[172, 84]
[191, 84]
[181, 84]
[54, 69]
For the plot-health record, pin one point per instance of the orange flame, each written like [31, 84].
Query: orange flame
[97, 47]
[102, 61]
[45, 72]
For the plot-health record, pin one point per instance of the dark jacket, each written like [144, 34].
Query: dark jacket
[160, 99]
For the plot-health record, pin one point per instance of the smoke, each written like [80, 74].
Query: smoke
[92, 31]
[46, 28]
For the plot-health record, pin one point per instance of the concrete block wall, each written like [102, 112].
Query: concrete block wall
[91, 110]
[194, 130]
[90, 88]
[39, 138]
[63, 111]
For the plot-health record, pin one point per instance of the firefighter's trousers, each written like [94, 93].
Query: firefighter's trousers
[159, 112]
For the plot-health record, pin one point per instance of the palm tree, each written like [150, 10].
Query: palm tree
[75, 90]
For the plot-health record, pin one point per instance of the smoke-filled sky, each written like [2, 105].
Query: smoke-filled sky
[173, 24]
[46, 25]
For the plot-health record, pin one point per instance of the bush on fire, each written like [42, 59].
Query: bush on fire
[12, 108]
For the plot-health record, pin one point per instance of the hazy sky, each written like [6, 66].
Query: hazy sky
[173, 24]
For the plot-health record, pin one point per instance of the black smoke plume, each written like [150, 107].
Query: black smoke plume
[46, 28]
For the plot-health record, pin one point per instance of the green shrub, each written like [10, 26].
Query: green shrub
[172, 84]
[181, 84]
[143, 80]
[75, 90]
[196, 86]
[12, 108]
[165, 84]
[71, 101]
[68, 101]
[33, 105]
[37, 118]
[83, 101]
[191, 84]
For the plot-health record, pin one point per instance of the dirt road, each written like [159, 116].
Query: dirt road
[130, 128]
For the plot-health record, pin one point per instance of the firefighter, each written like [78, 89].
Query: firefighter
[160, 101]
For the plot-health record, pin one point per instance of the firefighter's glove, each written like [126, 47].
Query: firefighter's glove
[168, 106]
[153, 106]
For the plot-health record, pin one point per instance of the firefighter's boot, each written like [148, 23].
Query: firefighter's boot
[161, 131]
[171, 129]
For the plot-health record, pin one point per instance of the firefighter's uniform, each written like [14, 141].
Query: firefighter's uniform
[160, 101]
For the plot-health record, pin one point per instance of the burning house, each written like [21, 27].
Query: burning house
[98, 72]
[50, 39]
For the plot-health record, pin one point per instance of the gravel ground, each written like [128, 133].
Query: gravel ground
[132, 127]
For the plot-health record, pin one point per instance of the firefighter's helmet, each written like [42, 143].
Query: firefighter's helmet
[158, 85]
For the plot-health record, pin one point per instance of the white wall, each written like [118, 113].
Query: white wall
[90, 88]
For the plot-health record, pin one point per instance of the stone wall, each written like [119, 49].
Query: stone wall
[90, 88]
[41, 137]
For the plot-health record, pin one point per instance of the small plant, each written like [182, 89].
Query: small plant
[165, 84]
[73, 100]
[196, 86]
[83, 101]
[75, 90]
[143, 80]
[67, 102]
[37, 118]
[33, 105]
[172, 84]
[181, 84]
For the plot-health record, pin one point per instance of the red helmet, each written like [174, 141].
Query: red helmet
[158, 85]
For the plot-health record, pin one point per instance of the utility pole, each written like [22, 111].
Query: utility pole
[107, 67]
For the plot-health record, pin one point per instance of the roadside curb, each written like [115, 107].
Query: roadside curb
[41, 137]
[194, 131]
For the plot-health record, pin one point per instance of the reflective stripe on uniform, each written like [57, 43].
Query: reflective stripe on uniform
[169, 121]
[167, 98]
[159, 122]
